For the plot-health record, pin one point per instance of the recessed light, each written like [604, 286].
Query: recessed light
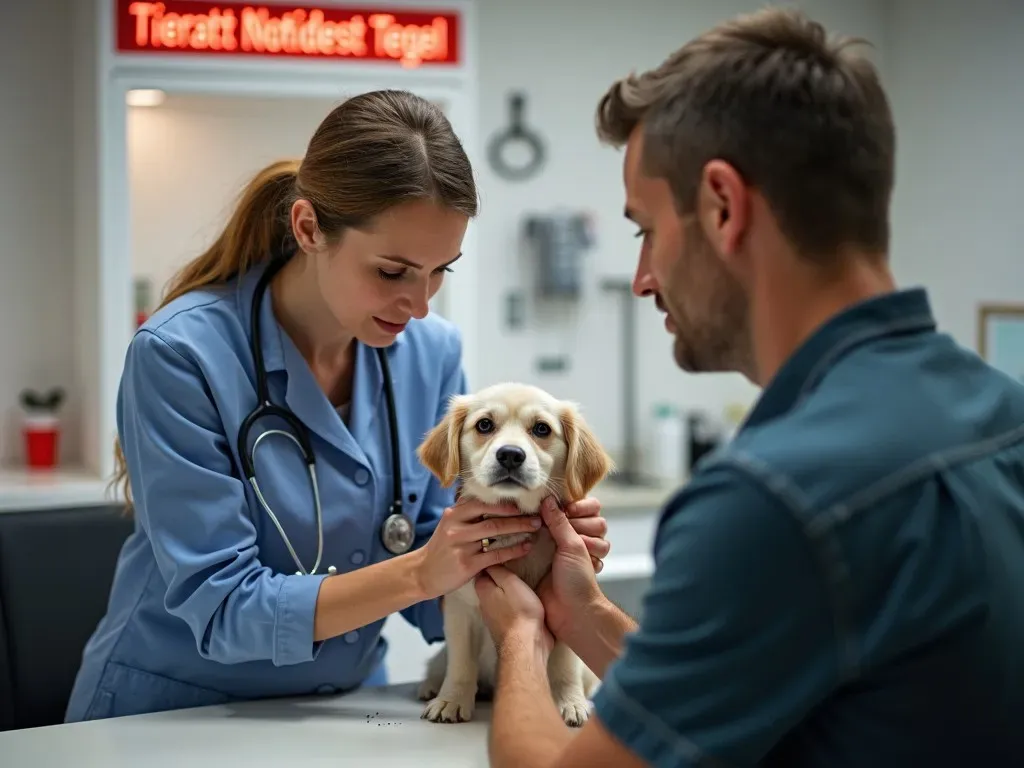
[145, 97]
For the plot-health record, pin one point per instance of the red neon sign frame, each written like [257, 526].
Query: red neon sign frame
[411, 38]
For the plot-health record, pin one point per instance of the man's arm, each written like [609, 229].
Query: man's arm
[737, 643]
[599, 636]
[523, 705]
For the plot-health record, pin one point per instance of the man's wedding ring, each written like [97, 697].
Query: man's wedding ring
[484, 544]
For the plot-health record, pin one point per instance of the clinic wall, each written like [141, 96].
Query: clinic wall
[36, 215]
[189, 160]
[551, 51]
[958, 96]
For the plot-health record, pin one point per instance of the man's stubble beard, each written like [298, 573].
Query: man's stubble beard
[710, 310]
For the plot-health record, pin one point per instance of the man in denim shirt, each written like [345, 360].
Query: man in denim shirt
[843, 584]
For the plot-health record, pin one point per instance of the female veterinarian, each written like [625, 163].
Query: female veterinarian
[268, 417]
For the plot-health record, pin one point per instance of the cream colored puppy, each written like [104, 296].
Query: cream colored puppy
[507, 443]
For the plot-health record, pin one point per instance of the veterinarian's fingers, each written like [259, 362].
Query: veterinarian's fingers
[493, 527]
[589, 526]
[495, 557]
[589, 507]
[598, 548]
[561, 531]
[598, 564]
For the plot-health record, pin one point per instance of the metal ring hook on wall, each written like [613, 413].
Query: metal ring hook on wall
[516, 132]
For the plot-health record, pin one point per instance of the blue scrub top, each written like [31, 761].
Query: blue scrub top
[205, 606]
[843, 584]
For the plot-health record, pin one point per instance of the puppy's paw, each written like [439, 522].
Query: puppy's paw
[428, 689]
[574, 710]
[451, 707]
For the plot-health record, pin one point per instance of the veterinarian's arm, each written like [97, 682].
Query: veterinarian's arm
[426, 616]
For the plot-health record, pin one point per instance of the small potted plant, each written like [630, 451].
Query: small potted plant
[41, 427]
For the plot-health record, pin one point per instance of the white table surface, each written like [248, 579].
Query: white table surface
[377, 728]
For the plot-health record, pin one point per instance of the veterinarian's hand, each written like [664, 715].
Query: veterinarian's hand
[585, 518]
[511, 610]
[571, 588]
[453, 555]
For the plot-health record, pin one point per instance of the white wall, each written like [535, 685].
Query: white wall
[36, 210]
[956, 72]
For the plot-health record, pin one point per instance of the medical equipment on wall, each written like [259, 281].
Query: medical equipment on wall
[516, 135]
[397, 532]
[558, 242]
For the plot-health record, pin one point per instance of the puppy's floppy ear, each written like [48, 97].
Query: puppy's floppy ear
[586, 464]
[439, 452]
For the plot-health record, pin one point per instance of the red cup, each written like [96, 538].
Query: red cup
[42, 440]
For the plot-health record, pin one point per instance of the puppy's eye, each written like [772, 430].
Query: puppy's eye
[540, 429]
[484, 426]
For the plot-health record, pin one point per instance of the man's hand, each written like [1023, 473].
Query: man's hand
[511, 610]
[585, 517]
[571, 587]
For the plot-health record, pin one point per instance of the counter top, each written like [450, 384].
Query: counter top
[26, 490]
[379, 727]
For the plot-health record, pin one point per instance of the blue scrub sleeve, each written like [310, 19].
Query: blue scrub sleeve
[427, 615]
[737, 639]
[191, 503]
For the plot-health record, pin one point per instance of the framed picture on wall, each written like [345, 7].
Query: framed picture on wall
[1001, 337]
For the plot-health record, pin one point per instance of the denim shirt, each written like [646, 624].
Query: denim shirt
[843, 583]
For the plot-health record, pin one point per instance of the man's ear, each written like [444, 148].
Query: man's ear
[586, 464]
[439, 452]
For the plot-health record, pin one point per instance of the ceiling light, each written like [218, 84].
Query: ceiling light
[145, 97]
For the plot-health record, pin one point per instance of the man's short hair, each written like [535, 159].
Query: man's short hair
[800, 115]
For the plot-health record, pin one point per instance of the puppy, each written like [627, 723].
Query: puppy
[508, 443]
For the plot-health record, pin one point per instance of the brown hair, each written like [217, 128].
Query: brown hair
[372, 152]
[801, 117]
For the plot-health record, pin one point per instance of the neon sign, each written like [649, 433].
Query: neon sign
[409, 37]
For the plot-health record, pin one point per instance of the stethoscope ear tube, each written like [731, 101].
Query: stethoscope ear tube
[396, 454]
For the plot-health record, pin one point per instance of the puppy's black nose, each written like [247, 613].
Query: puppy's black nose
[510, 457]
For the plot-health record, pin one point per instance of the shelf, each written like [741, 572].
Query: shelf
[24, 489]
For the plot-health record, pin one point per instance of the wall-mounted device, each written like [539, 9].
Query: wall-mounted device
[516, 135]
[558, 242]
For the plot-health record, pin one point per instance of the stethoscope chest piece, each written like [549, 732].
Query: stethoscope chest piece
[397, 533]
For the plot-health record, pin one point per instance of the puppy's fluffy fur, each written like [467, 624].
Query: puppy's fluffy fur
[508, 443]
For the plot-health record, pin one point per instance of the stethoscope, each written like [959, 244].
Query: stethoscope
[397, 532]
